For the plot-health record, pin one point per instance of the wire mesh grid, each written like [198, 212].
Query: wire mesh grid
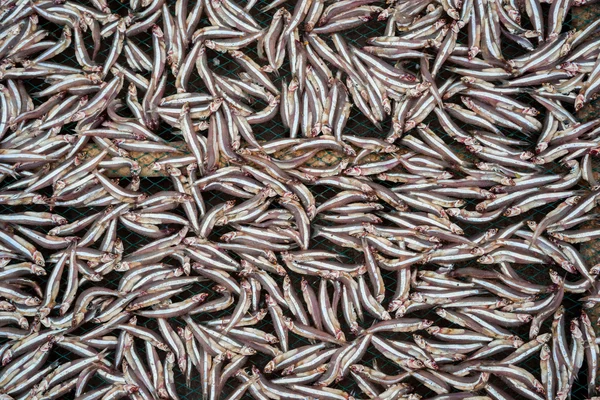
[357, 125]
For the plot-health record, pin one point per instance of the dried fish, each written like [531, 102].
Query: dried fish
[289, 247]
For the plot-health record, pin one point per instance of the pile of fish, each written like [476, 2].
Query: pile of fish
[394, 269]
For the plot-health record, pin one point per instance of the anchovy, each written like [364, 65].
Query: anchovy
[325, 229]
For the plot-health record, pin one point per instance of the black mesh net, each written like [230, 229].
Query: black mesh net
[358, 125]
